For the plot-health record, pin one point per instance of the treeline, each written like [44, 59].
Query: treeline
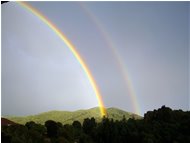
[159, 126]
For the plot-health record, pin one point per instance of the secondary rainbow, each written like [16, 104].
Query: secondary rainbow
[117, 56]
[73, 50]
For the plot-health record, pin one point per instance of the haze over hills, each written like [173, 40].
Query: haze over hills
[67, 117]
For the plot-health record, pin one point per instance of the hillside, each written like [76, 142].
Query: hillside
[6, 122]
[68, 117]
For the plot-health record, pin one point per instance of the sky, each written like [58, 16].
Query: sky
[137, 52]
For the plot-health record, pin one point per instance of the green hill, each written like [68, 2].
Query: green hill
[67, 117]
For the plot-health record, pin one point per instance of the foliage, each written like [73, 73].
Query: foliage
[159, 126]
[52, 128]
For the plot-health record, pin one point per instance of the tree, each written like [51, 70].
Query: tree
[77, 125]
[52, 128]
[89, 125]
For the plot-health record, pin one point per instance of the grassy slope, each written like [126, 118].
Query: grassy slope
[68, 117]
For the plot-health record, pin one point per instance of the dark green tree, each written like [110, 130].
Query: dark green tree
[89, 125]
[52, 128]
[77, 125]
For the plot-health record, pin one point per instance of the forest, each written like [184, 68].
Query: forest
[163, 125]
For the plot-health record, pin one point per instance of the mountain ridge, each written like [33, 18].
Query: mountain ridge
[67, 117]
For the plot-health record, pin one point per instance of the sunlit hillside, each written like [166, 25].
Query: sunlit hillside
[68, 117]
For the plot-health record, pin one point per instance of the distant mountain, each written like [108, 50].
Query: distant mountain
[67, 117]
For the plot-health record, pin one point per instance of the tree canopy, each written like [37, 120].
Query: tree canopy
[159, 126]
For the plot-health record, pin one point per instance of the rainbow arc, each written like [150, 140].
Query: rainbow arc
[72, 48]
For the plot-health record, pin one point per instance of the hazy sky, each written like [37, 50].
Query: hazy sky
[147, 42]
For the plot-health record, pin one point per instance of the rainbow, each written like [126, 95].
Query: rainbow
[73, 50]
[117, 56]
